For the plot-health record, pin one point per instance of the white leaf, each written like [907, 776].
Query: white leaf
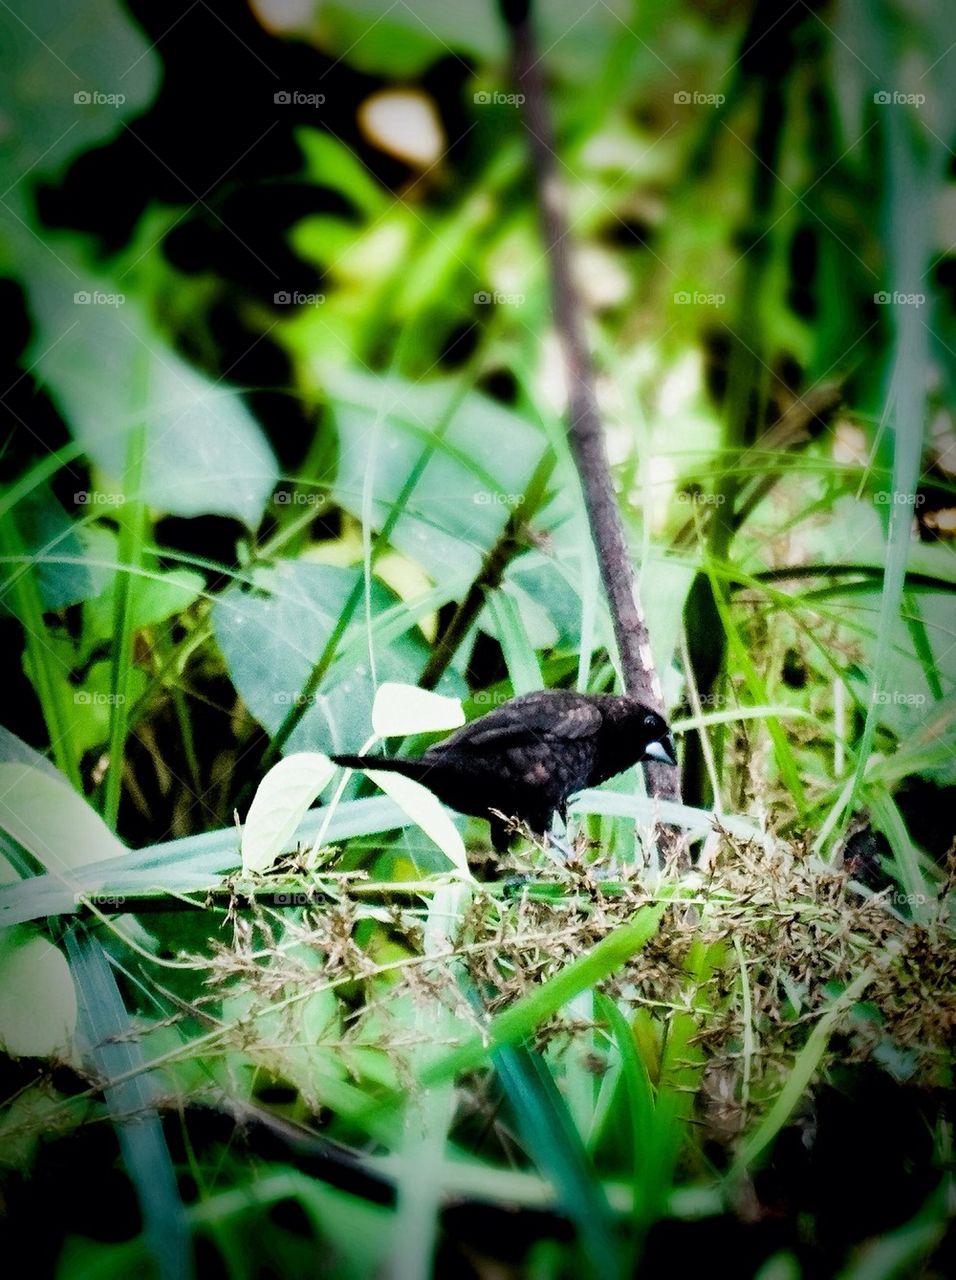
[427, 812]
[280, 804]
[401, 709]
[37, 997]
[45, 815]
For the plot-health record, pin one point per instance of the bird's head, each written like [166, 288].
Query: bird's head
[634, 732]
[658, 743]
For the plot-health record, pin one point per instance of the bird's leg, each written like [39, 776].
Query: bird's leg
[567, 849]
[564, 844]
[500, 832]
[570, 861]
[560, 844]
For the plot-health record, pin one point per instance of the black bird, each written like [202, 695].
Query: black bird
[529, 755]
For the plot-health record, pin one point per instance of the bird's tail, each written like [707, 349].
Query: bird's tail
[414, 769]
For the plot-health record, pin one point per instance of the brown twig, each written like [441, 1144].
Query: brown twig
[585, 434]
[510, 541]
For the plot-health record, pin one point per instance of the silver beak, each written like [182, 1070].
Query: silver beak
[661, 749]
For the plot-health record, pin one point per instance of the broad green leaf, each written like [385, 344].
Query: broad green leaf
[400, 41]
[109, 369]
[552, 584]
[329, 163]
[460, 503]
[155, 598]
[46, 534]
[280, 803]
[93, 700]
[87, 704]
[272, 637]
[65, 77]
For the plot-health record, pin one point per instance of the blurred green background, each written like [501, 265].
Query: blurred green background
[282, 384]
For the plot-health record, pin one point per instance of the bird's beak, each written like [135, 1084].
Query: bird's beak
[661, 749]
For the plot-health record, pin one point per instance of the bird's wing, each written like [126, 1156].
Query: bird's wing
[536, 716]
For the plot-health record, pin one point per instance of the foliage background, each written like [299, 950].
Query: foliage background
[281, 385]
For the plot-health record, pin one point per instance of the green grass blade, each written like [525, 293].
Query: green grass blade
[28, 607]
[520, 658]
[738, 651]
[113, 1051]
[801, 1073]
[641, 1110]
[888, 819]
[42, 470]
[516, 1023]
[555, 1145]
[132, 518]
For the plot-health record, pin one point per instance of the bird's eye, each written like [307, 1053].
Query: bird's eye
[650, 721]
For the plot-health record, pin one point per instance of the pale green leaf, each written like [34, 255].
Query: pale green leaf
[427, 813]
[402, 709]
[37, 997]
[282, 799]
[48, 818]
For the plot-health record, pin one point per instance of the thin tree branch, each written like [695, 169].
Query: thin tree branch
[585, 434]
[510, 542]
